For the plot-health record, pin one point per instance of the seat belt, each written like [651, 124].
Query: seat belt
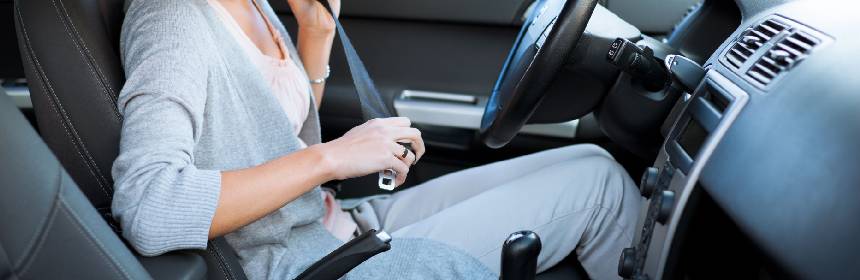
[372, 105]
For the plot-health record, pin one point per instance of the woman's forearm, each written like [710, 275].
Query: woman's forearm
[314, 48]
[250, 194]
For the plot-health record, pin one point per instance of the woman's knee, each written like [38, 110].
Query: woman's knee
[600, 177]
[584, 151]
[618, 193]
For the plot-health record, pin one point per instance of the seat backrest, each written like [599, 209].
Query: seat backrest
[72, 62]
[49, 229]
[71, 59]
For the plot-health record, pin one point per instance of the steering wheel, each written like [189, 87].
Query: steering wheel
[548, 35]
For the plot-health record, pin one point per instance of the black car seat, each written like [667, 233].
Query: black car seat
[71, 57]
[50, 230]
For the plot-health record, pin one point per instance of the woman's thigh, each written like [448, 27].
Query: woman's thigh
[583, 203]
[422, 201]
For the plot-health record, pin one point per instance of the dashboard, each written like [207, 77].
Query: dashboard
[758, 175]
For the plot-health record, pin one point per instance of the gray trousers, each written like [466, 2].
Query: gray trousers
[577, 199]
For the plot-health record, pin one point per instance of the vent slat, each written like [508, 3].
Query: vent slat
[806, 38]
[766, 70]
[771, 30]
[775, 25]
[759, 77]
[749, 47]
[761, 35]
[799, 43]
[734, 61]
[794, 52]
[766, 61]
[744, 53]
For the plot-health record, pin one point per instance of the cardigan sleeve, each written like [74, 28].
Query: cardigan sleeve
[162, 201]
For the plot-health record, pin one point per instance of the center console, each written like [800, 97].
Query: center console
[703, 118]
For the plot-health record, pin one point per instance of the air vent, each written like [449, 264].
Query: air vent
[784, 55]
[751, 40]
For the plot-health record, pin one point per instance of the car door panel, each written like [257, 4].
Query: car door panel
[500, 12]
[412, 55]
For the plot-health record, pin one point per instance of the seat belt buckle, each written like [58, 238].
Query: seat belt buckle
[387, 179]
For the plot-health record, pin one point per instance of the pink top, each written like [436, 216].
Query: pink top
[290, 87]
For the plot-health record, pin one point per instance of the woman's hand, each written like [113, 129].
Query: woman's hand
[316, 34]
[373, 147]
[312, 15]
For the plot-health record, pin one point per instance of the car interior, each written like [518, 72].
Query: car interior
[736, 118]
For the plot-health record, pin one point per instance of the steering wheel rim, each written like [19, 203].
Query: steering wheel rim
[548, 35]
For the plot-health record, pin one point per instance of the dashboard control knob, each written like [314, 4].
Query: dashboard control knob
[648, 183]
[627, 263]
[667, 202]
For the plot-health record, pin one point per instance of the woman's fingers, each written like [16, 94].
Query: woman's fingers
[399, 163]
[410, 135]
[399, 129]
[393, 121]
[401, 168]
[403, 153]
[401, 177]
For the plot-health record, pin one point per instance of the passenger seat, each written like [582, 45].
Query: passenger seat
[49, 228]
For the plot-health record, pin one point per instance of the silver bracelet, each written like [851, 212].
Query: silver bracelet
[322, 80]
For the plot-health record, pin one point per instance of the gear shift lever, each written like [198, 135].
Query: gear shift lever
[519, 256]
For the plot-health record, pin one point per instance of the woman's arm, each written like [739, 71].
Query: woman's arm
[161, 199]
[316, 34]
[249, 194]
[314, 49]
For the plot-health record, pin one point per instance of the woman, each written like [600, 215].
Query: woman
[220, 138]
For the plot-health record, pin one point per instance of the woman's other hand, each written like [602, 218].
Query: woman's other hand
[373, 147]
[312, 15]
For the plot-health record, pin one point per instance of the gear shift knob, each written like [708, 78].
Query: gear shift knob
[519, 256]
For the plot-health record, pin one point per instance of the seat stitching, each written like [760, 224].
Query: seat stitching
[92, 61]
[79, 42]
[90, 56]
[220, 265]
[91, 65]
[88, 235]
[222, 259]
[56, 106]
[39, 238]
[14, 274]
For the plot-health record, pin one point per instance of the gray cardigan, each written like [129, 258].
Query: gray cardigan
[193, 105]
